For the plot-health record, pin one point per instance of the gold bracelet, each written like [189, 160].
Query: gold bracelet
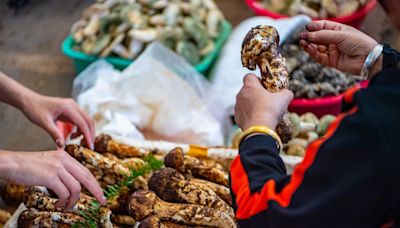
[261, 129]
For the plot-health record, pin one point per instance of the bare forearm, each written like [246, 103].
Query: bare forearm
[13, 93]
[7, 164]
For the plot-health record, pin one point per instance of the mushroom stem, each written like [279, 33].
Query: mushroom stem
[172, 186]
[144, 203]
[186, 164]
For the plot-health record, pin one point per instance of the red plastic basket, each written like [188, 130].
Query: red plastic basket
[354, 19]
[320, 106]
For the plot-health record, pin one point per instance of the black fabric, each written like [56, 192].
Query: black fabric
[253, 154]
[354, 180]
[391, 58]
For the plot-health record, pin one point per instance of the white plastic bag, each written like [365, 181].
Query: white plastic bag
[159, 92]
[100, 70]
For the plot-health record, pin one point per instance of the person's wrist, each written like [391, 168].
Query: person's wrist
[257, 130]
[268, 122]
[377, 67]
[8, 165]
[27, 99]
[373, 62]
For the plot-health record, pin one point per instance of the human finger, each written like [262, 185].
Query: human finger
[323, 37]
[322, 48]
[288, 94]
[50, 126]
[88, 120]
[252, 80]
[237, 115]
[85, 177]
[73, 116]
[74, 187]
[324, 25]
[61, 191]
[312, 50]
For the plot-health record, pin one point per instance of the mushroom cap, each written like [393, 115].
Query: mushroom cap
[175, 159]
[141, 204]
[258, 41]
[164, 183]
[101, 143]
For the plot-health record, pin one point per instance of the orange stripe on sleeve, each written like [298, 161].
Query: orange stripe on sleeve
[349, 94]
[249, 204]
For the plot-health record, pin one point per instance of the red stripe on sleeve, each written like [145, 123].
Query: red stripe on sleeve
[249, 204]
[348, 96]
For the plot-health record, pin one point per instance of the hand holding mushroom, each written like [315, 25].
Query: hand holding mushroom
[256, 106]
[261, 48]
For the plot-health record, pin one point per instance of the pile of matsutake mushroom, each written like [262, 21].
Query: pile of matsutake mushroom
[186, 192]
[309, 79]
[315, 8]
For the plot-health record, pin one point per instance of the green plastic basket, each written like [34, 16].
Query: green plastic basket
[82, 60]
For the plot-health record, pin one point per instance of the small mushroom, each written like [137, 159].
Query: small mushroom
[331, 7]
[93, 26]
[348, 7]
[157, 20]
[160, 4]
[77, 30]
[324, 123]
[117, 40]
[296, 150]
[120, 50]
[171, 14]
[214, 19]
[144, 35]
[312, 136]
[299, 126]
[310, 118]
[208, 49]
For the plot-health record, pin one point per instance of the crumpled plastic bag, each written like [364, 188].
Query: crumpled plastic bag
[227, 74]
[159, 93]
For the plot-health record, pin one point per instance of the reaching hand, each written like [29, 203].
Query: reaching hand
[55, 170]
[336, 45]
[256, 106]
[45, 111]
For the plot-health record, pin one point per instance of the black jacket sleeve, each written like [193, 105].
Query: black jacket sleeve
[391, 58]
[349, 177]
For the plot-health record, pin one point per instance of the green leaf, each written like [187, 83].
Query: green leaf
[92, 216]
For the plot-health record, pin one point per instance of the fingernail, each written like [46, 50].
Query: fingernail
[60, 143]
[60, 207]
[311, 26]
[92, 146]
[304, 35]
[104, 199]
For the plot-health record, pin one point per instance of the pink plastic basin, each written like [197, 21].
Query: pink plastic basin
[320, 106]
[354, 19]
